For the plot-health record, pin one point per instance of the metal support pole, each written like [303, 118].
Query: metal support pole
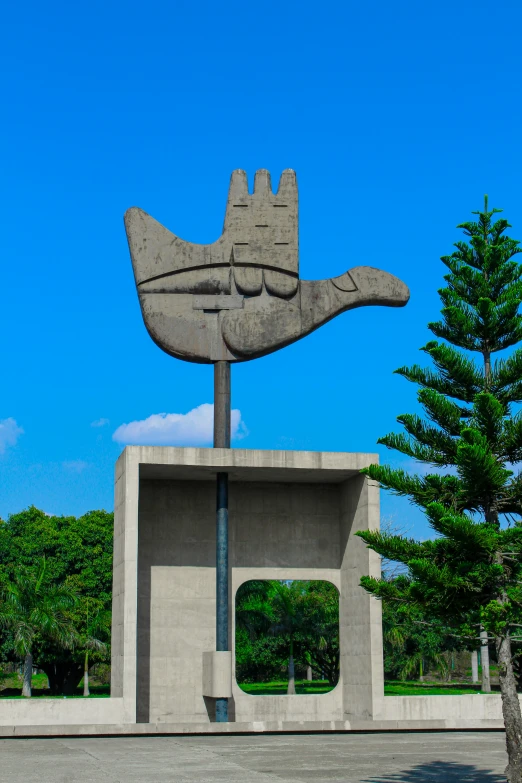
[222, 405]
[222, 440]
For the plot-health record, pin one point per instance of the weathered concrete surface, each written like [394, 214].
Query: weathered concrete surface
[217, 674]
[56, 712]
[474, 708]
[288, 528]
[378, 758]
[240, 297]
[293, 515]
[360, 617]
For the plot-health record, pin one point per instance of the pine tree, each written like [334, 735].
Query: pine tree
[470, 574]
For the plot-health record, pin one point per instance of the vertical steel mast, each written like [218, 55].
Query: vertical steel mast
[222, 440]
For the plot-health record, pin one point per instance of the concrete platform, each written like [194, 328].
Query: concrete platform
[330, 758]
[251, 727]
[96, 717]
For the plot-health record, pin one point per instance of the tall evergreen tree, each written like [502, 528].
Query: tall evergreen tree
[470, 574]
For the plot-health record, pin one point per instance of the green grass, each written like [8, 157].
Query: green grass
[391, 688]
[278, 687]
[398, 688]
[11, 688]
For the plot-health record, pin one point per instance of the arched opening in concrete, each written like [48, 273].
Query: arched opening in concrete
[287, 637]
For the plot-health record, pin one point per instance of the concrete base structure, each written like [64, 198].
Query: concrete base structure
[293, 515]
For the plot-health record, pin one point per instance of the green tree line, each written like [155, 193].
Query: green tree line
[55, 594]
[284, 626]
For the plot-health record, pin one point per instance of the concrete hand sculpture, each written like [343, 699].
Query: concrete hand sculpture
[241, 297]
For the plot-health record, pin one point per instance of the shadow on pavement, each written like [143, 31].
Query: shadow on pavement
[441, 772]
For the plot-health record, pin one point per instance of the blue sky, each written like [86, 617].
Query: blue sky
[397, 117]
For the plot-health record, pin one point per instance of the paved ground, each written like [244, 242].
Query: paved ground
[329, 758]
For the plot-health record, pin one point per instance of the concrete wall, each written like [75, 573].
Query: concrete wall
[49, 712]
[274, 529]
[176, 599]
[293, 515]
[474, 708]
[360, 617]
[125, 584]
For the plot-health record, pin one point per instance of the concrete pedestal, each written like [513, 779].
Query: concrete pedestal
[293, 515]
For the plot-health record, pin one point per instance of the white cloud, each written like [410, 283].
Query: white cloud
[75, 466]
[194, 428]
[9, 433]
[100, 423]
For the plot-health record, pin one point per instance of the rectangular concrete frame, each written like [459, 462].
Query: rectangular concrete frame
[293, 515]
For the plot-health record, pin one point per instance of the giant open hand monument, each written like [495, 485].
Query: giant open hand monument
[237, 299]
[241, 297]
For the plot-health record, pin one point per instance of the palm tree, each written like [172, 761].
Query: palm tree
[253, 609]
[33, 607]
[420, 660]
[88, 640]
[288, 619]
[319, 619]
